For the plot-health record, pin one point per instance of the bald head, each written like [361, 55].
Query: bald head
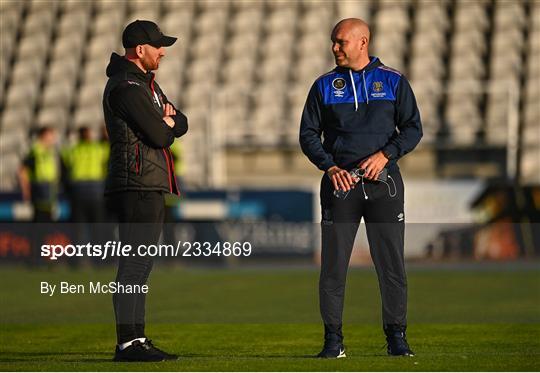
[354, 26]
[350, 41]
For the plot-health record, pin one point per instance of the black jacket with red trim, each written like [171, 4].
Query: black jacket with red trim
[140, 158]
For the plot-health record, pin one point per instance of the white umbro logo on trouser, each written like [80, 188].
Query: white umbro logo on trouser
[401, 216]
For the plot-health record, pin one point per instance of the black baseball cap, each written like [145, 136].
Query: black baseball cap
[145, 32]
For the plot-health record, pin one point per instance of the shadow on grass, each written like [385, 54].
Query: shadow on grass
[277, 356]
[19, 357]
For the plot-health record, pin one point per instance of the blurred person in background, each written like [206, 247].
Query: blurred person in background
[368, 117]
[172, 201]
[39, 178]
[39, 175]
[85, 165]
[142, 124]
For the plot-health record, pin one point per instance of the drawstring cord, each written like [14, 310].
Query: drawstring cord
[354, 91]
[365, 86]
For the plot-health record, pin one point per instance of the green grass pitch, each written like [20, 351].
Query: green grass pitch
[267, 320]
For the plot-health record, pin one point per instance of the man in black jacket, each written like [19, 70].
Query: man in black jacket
[142, 125]
[368, 117]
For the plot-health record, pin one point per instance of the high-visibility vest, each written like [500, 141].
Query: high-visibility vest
[86, 161]
[177, 152]
[45, 168]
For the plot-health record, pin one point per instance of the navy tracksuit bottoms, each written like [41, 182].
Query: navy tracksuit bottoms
[385, 225]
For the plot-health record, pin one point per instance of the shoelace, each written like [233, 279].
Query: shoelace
[399, 342]
[138, 344]
[148, 343]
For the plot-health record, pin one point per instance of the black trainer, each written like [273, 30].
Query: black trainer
[165, 355]
[397, 344]
[137, 352]
[333, 347]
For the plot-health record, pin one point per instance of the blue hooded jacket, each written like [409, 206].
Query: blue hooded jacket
[358, 113]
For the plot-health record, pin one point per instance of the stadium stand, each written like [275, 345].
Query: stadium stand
[242, 68]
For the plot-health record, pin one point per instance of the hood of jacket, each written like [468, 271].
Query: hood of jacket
[119, 64]
[374, 62]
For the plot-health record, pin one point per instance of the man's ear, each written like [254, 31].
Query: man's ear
[139, 50]
[364, 42]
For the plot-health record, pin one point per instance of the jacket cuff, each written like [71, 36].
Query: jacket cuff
[325, 165]
[391, 150]
[180, 124]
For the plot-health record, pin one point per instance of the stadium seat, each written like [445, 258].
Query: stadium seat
[211, 21]
[247, 21]
[530, 167]
[58, 93]
[8, 171]
[509, 14]
[232, 121]
[178, 6]
[8, 45]
[11, 17]
[63, 70]
[22, 94]
[239, 70]
[109, 22]
[17, 117]
[87, 116]
[209, 5]
[203, 71]
[242, 5]
[531, 110]
[90, 94]
[277, 44]
[263, 127]
[7, 6]
[312, 68]
[12, 140]
[170, 78]
[274, 70]
[34, 46]
[152, 14]
[137, 5]
[279, 5]
[74, 22]
[110, 6]
[69, 6]
[56, 117]
[531, 130]
[208, 46]
[471, 15]
[197, 95]
[392, 18]
[100, 46]
[314, 43]
[281, 20]
[178, 23]
[315, 20]
[359, 9]
[39, 22]
[431, 15]
[242, 45]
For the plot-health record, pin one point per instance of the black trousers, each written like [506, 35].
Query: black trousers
[140, 215]
[384, 218]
